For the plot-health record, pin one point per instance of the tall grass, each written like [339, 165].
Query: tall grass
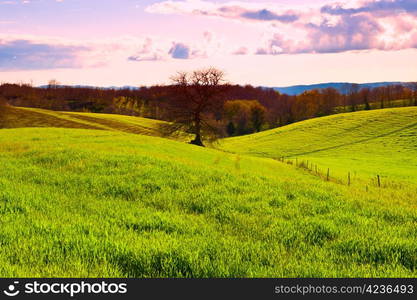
[88, 203]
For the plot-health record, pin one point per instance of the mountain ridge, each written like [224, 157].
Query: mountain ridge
[340, 86]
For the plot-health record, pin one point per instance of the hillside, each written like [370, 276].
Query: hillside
[96, 203]
[19, 117]
[366, 143]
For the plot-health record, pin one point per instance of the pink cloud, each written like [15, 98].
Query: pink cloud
[30, 54]
[232, 10]
[331, 28]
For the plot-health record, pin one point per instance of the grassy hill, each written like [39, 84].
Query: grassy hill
[366, 144]
[107, 203]
[19, 117]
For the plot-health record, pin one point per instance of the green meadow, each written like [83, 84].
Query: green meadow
[365, 144]
[104, 196]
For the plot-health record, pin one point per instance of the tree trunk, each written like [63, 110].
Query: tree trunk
[197, 140]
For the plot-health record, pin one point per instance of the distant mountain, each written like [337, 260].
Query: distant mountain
[126, 87]
[340, 86]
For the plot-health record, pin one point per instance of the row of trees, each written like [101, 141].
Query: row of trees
[202, 103]
[244, 116]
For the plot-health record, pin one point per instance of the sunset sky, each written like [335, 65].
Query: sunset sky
[261, 42]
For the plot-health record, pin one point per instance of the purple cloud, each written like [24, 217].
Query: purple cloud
[266, 15]
[179, 51]
[146, 53]
[387, 6]
[162, 50]
[350, 33]
[228, 10]
[28, 55]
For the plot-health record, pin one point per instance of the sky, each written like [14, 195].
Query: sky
[258, 42]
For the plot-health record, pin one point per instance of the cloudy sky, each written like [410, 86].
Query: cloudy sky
[261, 42]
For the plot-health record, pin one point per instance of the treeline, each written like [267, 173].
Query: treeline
[245, 109]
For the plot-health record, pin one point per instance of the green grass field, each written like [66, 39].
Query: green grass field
[108, 203]
[366, 144]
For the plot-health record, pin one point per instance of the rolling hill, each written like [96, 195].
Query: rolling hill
[366, 143]
[19, 117]
[83, 202]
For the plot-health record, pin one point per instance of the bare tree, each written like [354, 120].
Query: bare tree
[53, 84]
[198, 96]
